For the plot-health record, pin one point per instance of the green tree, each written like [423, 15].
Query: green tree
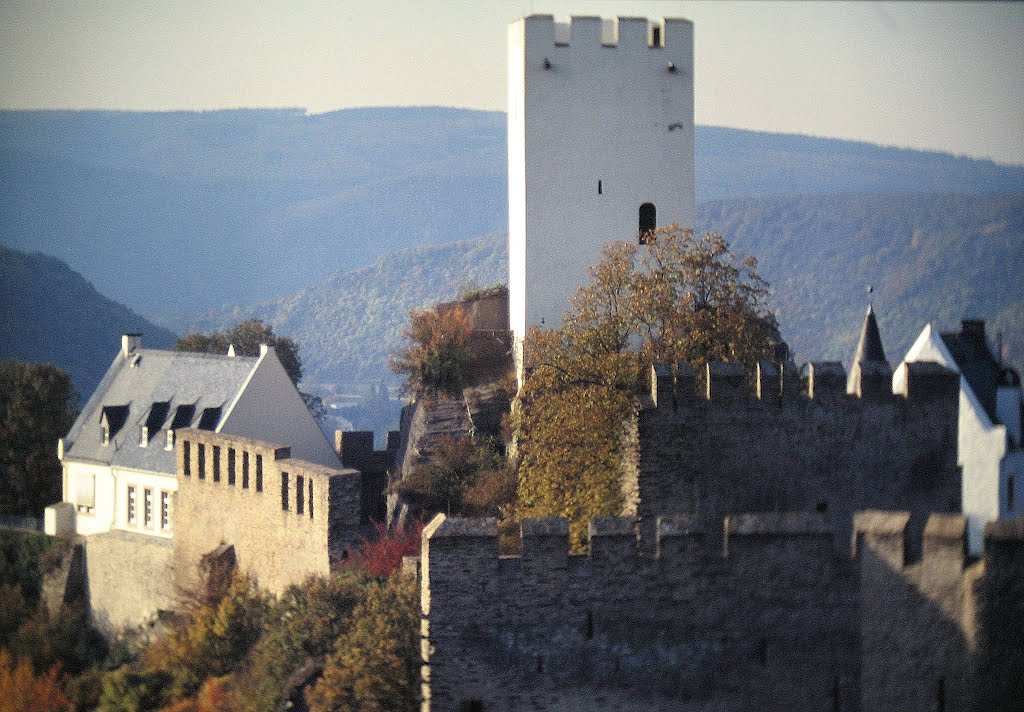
[37, 406]
[464, 475]
[302, 626]
[437, 356]
[679, 298]
[246, 337]
[375, 666]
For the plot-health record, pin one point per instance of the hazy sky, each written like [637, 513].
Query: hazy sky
[945, 76]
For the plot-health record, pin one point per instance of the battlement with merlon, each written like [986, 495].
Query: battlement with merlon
[615, 32]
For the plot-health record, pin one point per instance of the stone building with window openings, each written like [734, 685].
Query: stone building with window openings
[120, 462]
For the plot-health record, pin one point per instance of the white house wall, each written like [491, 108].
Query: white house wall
[981, 445]
[158, 484]
[613, 113]
[270, 409]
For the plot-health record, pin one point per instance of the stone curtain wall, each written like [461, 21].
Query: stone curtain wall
[129, 578]
[757, 619]
[769, 616]
[277, 546]
[710, 445]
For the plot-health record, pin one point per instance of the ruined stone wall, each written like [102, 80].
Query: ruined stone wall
[129, 578]
[710, 445]
[283, 516]
[756, 616]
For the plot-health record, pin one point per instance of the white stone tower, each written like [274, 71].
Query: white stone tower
[600, 144]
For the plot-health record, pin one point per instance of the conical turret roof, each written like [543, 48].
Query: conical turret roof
[869, 360]
[870, 347]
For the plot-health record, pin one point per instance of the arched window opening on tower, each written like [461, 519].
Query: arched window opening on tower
[648, 221]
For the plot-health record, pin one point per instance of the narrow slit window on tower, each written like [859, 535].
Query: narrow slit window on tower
[186, 459]
[231, 466]
[216, 463]
[656, 36]
[300, 494]
[259, 473]
[284, 491]
[245, 469]
[310, 497]
[648, 222]
[202, 460]
[600, 187]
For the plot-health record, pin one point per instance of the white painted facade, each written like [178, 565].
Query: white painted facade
[269, 408]
[600, 122]
[989, 454]
[108, 496]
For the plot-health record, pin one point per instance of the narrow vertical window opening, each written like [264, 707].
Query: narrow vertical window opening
[589, 629]
[284, 491]
[300, 494]
[648, 222]
[259, 473]
[231, 466]
[131, 504]
[245, 469]
[186, 459]
[202, 461]
[165, 510]
[310, 497]
[940, 695]
[216, 463]
[600, 188]
[147, 505]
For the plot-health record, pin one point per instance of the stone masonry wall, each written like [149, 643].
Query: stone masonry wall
[281, 533]
[764, 622]
[773, 618]
[717, 448]
[129, 578]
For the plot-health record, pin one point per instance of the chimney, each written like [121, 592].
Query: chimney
[973, 328]
[130, 344]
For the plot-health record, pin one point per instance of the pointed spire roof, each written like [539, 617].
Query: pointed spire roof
[870, 347]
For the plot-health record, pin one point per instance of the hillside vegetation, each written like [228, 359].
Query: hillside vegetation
[51, 314]
[931, 258]
[173, 211]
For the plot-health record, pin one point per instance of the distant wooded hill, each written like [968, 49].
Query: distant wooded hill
[932, 258]
[51, 314]
[180, 211]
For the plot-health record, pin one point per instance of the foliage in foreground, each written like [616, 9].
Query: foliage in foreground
[679, 298]
[37, 406]
[375, 666]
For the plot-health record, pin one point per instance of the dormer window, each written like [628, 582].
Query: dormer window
[143, 436]
[170, 440]
[112, 419]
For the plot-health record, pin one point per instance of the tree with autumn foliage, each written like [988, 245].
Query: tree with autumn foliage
[676, 298]
[21, 690]
[437, 357]
[375, 666]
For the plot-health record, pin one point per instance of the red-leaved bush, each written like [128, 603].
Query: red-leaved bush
[382, 555]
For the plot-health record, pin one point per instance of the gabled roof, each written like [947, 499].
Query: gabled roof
[159, 390]
[969, 349]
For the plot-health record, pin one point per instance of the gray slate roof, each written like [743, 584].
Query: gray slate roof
[179, 389]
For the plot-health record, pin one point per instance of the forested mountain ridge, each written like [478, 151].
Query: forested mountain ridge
[51, 314]
[930, 258]
[170, 212]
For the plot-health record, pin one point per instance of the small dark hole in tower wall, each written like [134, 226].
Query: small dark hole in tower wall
[822, 507]
[599, 188]
[589, 627]
[648, 222]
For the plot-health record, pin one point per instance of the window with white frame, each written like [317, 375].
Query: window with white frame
[147, 507]
[165, 510]
[130, 500]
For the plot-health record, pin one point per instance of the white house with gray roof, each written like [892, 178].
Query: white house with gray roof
[119, 459]
[990, 448]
